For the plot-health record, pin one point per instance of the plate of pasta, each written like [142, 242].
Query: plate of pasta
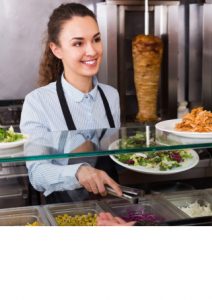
[196, 124]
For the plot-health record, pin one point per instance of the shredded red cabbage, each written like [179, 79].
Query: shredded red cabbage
[176, 156]
[141, 216]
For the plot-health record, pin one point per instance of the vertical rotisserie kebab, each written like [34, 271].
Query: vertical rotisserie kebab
[147, 53]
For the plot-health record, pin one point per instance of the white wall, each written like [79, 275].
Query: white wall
[22, 27]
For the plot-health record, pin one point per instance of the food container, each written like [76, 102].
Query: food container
[196, 203]
[115, 201]
[13, 192]
[22, 216]
[209, 192]
[150, 212]
[71, 210]
[200, 221]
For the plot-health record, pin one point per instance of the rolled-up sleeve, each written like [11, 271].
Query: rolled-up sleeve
[47, 176]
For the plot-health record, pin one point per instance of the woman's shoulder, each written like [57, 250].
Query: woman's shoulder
[42, 92]
[108, 89]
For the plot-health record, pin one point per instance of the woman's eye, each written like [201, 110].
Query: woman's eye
[97, 39]
[77, 44]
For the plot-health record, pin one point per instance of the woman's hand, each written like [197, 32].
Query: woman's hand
[94, 180]
[106, 219]
[86, 146]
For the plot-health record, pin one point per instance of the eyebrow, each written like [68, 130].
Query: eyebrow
[81, 38]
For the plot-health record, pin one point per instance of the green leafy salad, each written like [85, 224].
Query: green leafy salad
[137, 140]
[8, 136]
[161, 160]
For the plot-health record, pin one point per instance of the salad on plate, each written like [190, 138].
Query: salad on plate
[8, 136]
[161, 160]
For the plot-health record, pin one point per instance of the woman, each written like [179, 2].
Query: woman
[70, 97]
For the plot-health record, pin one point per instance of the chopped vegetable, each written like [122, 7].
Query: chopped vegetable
[78, 220]
[162, 160]
[8, 136]
[137, 140]
[35, 223]
[146, 219]
[196, 210]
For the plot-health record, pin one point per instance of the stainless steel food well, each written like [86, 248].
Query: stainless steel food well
[149, 210]
[193, 201]
[13, 192]
[22, 216]
[72, 209]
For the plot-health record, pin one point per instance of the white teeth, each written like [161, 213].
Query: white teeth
[90, 62]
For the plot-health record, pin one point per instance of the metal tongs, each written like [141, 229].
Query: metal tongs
[130, 194]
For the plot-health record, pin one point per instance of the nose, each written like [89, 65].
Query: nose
[90, 49]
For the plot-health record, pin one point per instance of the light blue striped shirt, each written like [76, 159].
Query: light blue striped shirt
[42, 113]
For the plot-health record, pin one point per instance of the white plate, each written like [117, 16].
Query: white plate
[10, 145]
[169, 126]
[12, 152]
[186, 165]
[172, 139]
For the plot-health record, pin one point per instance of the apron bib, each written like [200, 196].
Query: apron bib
[103, 163]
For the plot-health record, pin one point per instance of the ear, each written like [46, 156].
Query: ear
[55, 50]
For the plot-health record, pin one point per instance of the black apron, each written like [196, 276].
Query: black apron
[104, 162]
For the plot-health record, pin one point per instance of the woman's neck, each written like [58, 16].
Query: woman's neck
[84, 84]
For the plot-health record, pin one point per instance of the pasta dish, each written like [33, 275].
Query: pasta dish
[198, 120]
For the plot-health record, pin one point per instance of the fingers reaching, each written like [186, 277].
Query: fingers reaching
[106, 219]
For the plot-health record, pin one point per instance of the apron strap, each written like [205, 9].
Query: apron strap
[63, 103]
[66, 112]
[107, 108]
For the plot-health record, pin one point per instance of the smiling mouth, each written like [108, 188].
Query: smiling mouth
[90, 62]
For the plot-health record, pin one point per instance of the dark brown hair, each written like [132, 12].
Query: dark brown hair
[51, 67]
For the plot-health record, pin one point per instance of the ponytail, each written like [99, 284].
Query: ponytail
[51, 67]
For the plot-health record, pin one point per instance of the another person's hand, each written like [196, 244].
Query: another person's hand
[94, 180]
[106, 219]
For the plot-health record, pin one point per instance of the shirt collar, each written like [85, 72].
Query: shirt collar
[75, 94]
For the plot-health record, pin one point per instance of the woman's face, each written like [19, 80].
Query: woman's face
[80, 47]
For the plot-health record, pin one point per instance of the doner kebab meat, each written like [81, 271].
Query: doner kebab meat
[147, 53]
